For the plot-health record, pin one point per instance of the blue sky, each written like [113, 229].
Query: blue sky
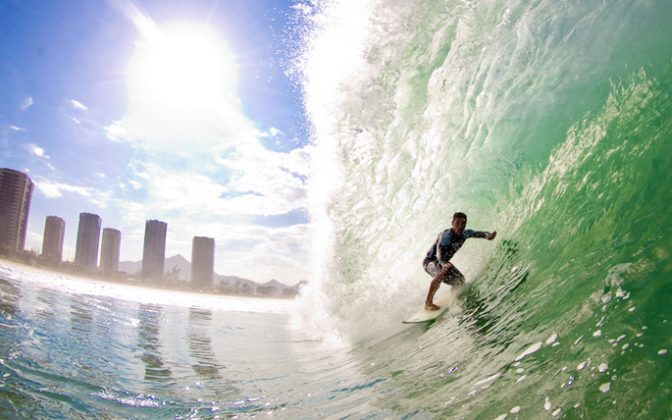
[100, 127]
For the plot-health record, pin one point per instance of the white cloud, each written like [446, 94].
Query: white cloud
[16, 128]
[78, 105]
[270, 133]
[37, 151]
[254, 190]
[27, 103]
[55, 189]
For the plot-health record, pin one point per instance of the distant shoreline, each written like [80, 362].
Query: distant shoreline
[10, 262]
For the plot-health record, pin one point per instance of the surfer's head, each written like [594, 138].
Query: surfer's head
[459, 222]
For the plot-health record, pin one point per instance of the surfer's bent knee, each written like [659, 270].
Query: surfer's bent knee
[453, 277]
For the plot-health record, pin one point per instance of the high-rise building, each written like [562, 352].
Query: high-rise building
[88, 238]
[154, 249]
[52, 241]
[202, 262]
[16, 190]
[109, 250]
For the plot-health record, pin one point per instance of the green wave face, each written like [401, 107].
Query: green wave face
[550, 122]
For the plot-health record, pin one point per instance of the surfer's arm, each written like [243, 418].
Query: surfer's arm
[443, 261]
[485, 235]
[442, 256]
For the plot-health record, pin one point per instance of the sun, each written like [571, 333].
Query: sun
[183, 66]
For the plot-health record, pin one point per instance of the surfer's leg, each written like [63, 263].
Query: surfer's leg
[453, 277]
[433, 287]
[433, 271]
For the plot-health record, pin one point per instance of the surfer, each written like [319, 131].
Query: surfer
[437, 262]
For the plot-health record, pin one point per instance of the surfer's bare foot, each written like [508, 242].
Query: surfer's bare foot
[431, 307]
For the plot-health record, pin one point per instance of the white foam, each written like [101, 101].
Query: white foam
[552, 339]
[488, 379]
[621, 294]
[547, 404]
[530, 350]
[515, 410]
[605, 387]
[597, 333]
[662, 352]
[603, 367]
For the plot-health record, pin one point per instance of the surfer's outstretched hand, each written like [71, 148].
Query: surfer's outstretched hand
[492, 235]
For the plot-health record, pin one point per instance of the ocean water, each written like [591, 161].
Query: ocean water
[550, 122]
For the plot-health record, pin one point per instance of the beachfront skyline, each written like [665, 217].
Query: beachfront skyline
[158, 109]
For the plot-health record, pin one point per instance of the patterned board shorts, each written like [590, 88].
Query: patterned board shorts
[453, 277]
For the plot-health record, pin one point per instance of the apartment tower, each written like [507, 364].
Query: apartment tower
[88, 237]
[16, 190]
[154, 250]
[202, 262]
[52, 241]
[109, 250]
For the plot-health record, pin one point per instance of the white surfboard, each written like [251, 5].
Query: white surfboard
[444, 297]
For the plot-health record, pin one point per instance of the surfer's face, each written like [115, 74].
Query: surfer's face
[459, 224]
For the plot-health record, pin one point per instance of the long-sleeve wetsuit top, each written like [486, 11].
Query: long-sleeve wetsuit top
[447, 244]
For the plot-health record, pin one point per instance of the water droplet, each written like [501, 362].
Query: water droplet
[530, 350]
[552, 339]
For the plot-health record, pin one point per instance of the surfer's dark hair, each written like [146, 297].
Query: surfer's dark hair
[460, 215]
